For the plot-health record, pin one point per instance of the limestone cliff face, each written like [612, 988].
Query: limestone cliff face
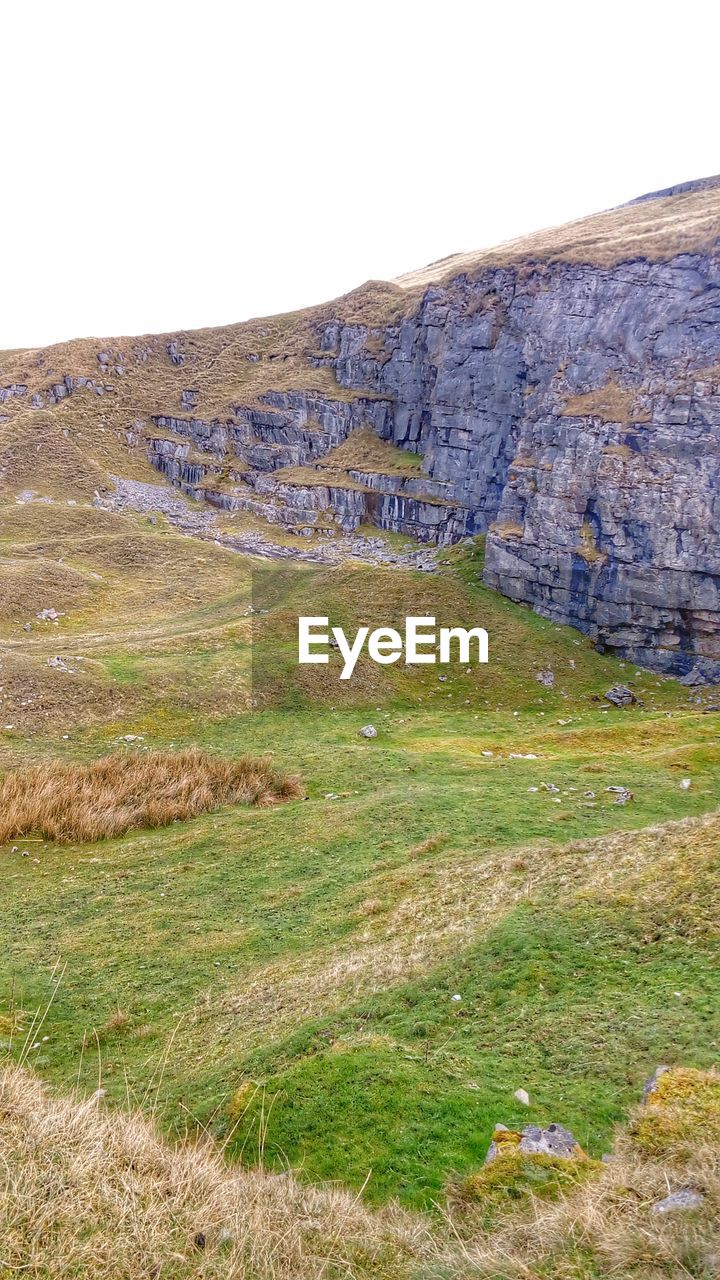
[574, 411]
[560, 393]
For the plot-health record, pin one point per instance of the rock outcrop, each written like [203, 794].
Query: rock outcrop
[560, 394]
[575, 412]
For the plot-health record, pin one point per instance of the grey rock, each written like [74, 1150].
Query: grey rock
[678, 1201]
[622, 794]
[59, 664]
[545, 678]
[15, 389]
[620, 696]
[368, 731]
[703, 672]
[610, 525]
[651, 1085]
[555, 1140]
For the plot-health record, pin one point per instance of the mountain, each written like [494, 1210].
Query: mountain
[498, 908]
[560, 393]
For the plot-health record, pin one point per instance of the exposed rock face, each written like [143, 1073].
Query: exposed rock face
[575, 411]
[563, 394]
[232, 464]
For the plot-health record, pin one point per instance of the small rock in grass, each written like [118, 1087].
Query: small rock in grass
[522, 1096]
[651, 1085]
[620, 696]
[555, 1140]
[622, 794]
[678, 1201]
[686, 784]
[368, 731]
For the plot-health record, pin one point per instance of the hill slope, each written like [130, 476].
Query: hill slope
[107, 1197]
[513, 885]
[560, 392]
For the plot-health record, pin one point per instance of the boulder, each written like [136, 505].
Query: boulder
[620, 696]
[555, 1140]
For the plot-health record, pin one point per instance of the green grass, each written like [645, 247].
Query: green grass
[228, 943]
[578, 1006]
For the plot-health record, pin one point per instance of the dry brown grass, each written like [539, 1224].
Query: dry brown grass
[89, 1194]
[119, 792]
[611, 403]
[29, 585]
[36, 454]
[365, 451]
[427, 846]
[587, 549]
[653, 230]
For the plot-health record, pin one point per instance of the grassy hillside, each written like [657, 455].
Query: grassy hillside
[285, 975]
[86, 1193]
[514, 885]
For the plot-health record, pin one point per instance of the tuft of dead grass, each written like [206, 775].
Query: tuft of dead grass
[611, 403]
[117, 793]
[365, 451]
[97, 1195]
[427, 846]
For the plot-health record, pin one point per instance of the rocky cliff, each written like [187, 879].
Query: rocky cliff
[574, 411]
[560, 393]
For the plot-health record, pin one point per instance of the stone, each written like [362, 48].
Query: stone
[555, 1140]
[597, 510]
[702, 672]
[368, 731]
[678, 1201]
[620, 696]
[521, 1095]
[545, 678]
[651, 1085]
[622, 794]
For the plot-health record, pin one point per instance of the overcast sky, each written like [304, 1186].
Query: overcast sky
[169, 165]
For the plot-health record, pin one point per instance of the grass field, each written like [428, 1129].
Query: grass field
[285, 977]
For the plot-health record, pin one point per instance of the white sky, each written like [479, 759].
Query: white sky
[168, 165]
